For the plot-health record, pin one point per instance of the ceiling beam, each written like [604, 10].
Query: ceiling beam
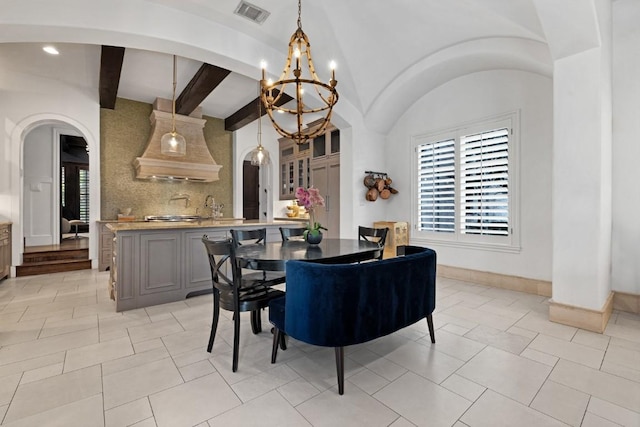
[201, 85]
[111, 59]
[249, 113]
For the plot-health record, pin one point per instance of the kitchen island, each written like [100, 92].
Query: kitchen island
[159, 262]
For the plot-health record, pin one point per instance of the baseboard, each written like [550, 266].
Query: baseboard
[592, 320]
[580, 317]
[503, 281]
[626, 302]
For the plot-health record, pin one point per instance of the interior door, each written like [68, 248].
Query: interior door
[319, 181]
[250, 190]
[333, 202]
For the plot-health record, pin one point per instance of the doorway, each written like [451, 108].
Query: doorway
[74, 187]
[55, 193]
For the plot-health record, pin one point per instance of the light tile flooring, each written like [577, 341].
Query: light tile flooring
[68, 359]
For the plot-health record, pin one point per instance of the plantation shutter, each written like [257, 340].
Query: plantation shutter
[484, 183]
[63, 199]
[436, 186]
[84, 195]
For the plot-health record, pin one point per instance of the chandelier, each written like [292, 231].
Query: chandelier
[172, 143]
[259, 156]
[300, 78]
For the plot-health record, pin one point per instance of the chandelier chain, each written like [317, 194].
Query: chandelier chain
[299, 13]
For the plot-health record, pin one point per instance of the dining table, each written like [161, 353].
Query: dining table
[273, 256]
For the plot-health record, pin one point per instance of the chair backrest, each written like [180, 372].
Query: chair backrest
[377, 235]
[288, 233]
[220, 254]
[258, 235]
[340, 305]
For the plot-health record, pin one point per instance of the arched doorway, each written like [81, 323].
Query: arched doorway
[56, 200]
[54, 125]
[245, 187]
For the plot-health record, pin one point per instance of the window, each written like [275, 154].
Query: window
[465, 184]
[74, 191]
[84, 195]
[436, 186]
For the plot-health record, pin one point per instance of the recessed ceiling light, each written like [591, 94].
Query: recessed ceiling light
[51, 50]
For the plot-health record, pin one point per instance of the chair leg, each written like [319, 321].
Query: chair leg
[256, 321]
[214, 320]
[283, 341]
[236, 341]
[432, 334]
[276, 340]
[340, 369]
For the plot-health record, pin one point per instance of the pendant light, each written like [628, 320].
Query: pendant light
[172, 143]
[259, 155]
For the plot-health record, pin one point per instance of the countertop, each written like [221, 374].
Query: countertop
[295, 218]
[205, 223]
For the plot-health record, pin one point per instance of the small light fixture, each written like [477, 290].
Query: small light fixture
[259, 156]
[172, 143]
[271, 93]
[51, 50]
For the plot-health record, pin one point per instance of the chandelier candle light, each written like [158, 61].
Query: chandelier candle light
[301, 78]
[172, 143]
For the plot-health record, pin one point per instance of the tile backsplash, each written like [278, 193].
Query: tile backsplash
[124, 132]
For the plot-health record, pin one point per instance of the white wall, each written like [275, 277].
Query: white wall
[30, 101]
[470, 98]
[39, 189]
[625, 274]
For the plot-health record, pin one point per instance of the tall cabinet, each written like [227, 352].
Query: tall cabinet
[316, 163]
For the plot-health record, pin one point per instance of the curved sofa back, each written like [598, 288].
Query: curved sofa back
[340, 305]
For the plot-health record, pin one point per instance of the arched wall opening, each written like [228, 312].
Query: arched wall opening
[18, 135]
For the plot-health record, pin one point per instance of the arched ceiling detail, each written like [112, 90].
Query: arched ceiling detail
[450, 63]
[389, 54]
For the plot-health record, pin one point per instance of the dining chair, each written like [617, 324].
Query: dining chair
[256, 237]
[288, 233]
[376, 235]
[233, 292]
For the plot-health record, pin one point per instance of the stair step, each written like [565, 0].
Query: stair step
[54, 266]
[74, 254]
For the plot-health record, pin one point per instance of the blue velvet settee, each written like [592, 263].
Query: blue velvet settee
[345, 304]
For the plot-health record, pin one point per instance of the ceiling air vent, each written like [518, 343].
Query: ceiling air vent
[252, 12]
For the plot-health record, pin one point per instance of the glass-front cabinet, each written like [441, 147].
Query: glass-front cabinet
[295, 167]
[297, 161]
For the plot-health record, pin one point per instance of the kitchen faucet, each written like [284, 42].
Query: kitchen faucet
[210, 203]
[181, 196]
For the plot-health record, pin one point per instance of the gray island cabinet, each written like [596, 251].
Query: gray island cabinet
[156, 263]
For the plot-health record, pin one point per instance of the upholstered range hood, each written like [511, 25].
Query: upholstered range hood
[197, 165]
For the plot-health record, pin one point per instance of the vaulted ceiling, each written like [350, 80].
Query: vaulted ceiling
[389, 53]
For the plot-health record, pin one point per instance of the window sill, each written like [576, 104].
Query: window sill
[494, 247]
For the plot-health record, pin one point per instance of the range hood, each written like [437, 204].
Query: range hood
[197, 165]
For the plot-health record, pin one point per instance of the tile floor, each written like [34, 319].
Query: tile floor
[68, 359]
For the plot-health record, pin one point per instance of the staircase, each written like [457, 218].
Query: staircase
[53, 261]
